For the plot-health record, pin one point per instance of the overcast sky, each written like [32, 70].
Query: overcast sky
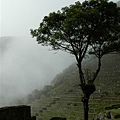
[26, 65]
[19, 16]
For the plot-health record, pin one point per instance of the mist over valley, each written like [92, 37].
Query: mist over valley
[26, 66]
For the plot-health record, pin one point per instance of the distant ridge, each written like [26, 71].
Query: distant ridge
[63, 96]
[67, 82]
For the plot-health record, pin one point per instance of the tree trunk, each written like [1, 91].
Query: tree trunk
[86, 107]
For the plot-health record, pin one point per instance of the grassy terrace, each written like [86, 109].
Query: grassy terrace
[69, 107]
[65, 98]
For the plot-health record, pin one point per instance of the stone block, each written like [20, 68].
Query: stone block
[15, 113]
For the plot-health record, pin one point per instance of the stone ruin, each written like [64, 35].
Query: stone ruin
[21, 112]
[16, 113]
[57, 118]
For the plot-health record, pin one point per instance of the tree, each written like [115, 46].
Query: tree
[92, 27]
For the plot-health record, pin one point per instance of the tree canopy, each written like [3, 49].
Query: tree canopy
[91, 27]
[81, 26]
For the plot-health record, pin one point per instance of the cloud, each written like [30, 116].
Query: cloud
[25, 66]
[19, 16]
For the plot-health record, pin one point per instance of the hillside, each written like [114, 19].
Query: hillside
[108, 81]
[64, 92]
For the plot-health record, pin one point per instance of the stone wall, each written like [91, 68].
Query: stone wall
[58, 118]
[15, 113]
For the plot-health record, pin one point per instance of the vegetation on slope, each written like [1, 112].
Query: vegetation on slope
[63, 96]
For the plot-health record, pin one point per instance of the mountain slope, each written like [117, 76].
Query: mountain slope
[108, 79]
[63, 96]
[67, 82]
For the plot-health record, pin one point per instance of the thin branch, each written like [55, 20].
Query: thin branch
[99, 66]
[64, 47]
[85, 48]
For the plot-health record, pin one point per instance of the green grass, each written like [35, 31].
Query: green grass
[65, 107]
[69, 104]
[115, 111]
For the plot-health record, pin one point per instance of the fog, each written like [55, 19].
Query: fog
[25, 65]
